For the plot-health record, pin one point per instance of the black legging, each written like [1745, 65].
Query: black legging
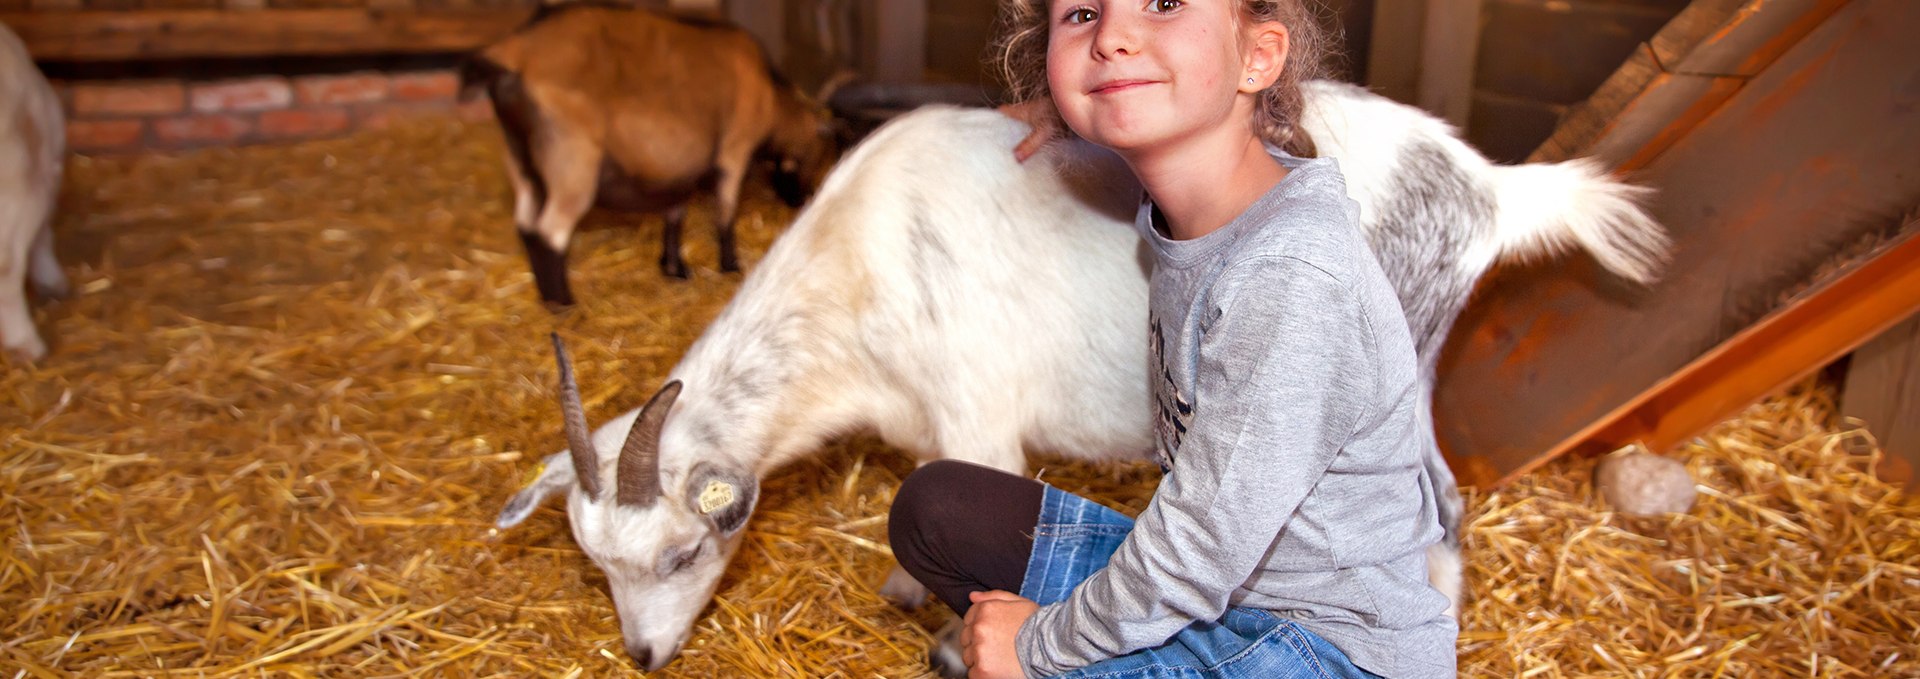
[959, 527]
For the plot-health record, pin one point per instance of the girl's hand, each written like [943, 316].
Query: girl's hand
[1039, 115]
[987, 641]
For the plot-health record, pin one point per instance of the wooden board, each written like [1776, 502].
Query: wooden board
[1686, 72]
[1883, 392]
[1811, 155]
[86, 36]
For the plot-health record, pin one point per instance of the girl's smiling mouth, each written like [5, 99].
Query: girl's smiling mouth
[1112, 86]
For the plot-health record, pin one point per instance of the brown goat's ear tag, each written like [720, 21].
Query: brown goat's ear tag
[716, 495]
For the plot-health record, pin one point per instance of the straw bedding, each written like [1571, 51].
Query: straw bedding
[296, 383]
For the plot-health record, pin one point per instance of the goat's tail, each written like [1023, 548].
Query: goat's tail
[1545, 208]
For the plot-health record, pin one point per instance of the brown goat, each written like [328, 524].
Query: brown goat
[635, 110]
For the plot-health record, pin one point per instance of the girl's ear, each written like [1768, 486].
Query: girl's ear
[1266, 55]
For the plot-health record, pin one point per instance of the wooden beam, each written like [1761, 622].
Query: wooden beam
[899, 41]
[1449, 44]
[1393, 62]
[766, 21]
[1686, 72]
[1883, 392]
[84, 36]
[1809, 159]
[1772, 354]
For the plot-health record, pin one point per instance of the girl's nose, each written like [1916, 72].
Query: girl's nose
[1116, 35]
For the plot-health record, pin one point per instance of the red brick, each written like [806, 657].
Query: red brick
[480, 109]
[250, 94]
[302, 123]
[425, 85]
[383, 115]
[193, 130]
[342, 89]
[102, 135]
[150, 97]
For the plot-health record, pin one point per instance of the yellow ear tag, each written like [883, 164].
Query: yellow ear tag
[716, 495]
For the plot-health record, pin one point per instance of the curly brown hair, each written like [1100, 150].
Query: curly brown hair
[1020, 54]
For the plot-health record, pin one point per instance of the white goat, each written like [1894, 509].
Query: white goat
[33, 143]
[962, 305]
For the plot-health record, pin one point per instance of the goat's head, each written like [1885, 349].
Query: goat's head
[805, 144]
[662, 536]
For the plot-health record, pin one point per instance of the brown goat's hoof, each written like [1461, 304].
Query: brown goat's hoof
[729, 266]
[674, 270]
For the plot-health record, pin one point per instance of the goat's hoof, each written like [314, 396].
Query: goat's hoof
[673, 269]
[944, 657]
[903, 591]
[729, 266]
[52, 290]
[27, 353]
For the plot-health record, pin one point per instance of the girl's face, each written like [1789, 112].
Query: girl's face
[1138, 74]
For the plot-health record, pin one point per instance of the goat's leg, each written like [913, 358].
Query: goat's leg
[727, 209]
[671, 263]
[17, 334]
[552, 205]
[21, 218]
[44, 269]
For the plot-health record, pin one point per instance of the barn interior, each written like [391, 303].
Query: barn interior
[304, 363]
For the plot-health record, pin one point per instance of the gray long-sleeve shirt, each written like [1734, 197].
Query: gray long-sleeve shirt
[1287, 391]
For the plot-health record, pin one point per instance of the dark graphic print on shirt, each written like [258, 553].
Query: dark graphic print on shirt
[1173, 409]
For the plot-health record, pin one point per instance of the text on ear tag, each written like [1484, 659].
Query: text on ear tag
[717, 494]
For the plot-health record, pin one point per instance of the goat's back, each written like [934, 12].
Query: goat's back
[1001, 296]
[660, 94]
[620, 54]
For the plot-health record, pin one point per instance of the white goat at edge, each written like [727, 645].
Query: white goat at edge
[33, 146]
[962, 305]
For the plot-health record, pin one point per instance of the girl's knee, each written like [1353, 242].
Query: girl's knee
[945, 491]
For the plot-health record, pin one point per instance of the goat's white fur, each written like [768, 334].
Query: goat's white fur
[32, 154]
[962, 305]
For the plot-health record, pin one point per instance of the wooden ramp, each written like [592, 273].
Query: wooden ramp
[1784, 138]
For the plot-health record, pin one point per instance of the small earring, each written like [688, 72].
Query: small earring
[1249, 81]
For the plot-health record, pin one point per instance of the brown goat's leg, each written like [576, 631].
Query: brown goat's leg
[549, 266]
[726, 208]
[569, 168]
[670, 262]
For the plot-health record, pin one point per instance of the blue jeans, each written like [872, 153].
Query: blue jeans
[1076, 536]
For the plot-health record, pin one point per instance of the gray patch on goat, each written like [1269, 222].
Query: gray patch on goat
[929, 254]
[1438, 211]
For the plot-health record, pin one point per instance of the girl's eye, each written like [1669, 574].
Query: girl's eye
[1163, 6]
[1080, 15]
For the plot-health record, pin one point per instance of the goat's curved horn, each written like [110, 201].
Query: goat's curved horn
[840, 79]
[586, 460]
[640, 457]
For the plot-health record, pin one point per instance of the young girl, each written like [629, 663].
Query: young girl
[1288, 536]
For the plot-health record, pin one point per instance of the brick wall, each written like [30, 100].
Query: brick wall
[119, 116]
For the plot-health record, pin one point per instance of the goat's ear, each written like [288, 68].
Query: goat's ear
[556, 477]
[725, 496]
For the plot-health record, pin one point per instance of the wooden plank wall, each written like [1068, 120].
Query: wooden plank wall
[1539, 57]
[1883, 392]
